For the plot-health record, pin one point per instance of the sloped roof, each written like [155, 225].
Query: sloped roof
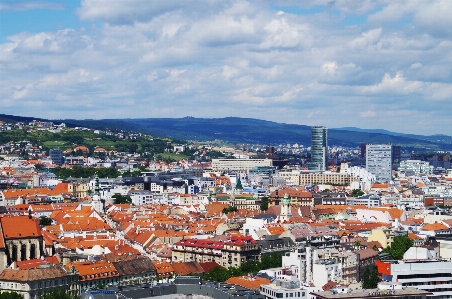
[20, 227]
[186, 268]
[136, 266]
[33, 274]
[251, 283]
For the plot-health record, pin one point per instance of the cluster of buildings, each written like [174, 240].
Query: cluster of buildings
[331, 225]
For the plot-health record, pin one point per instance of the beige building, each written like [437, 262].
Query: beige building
[243, 165]
[382, 235]
[230, 253]
[301, 178]
[32, 283]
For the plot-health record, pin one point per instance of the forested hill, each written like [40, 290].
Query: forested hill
[247, 130]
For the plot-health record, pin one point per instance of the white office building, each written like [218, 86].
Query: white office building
[433, 276]
[379, 161]
[416, 166]
[244, 165]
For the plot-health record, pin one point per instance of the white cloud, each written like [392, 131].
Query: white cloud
[243, 58]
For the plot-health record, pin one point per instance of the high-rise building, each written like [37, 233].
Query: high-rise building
[56, 155]
[379, 161]
[319, 148]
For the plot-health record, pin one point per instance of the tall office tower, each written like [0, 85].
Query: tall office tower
[319, 148]
[396, 155]
[56, 155]
[379, 161]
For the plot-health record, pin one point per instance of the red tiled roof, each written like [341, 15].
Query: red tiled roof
[20, 227]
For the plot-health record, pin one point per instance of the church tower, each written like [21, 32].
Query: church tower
[285, 209]
[96, 202]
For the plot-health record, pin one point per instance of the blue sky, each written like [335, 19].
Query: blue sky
[369, 64]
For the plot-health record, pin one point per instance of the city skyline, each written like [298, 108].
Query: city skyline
[367, 64]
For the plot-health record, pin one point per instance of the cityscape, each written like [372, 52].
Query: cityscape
[233, 149]
[276, 221]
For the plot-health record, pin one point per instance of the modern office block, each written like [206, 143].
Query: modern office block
[379, 161]
[319, 148]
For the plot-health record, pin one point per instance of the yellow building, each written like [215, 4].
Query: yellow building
[382, 235]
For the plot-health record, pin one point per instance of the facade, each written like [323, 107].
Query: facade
[32, 283]
[57, 156]
[369, 200]
[319, 148]
[21, 240]
[243, 165]
[318, 177]
[379, 161]
[429, 276]
[230, 253]
[416, 166]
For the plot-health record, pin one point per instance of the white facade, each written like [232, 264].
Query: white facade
[432, 276]
[379, 161]
[417, 166]
[239, 164]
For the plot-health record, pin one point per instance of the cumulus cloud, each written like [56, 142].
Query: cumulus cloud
[245, 58]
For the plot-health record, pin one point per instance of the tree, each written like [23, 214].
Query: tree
[120, 199]
[370, 277]
[374, 279]
[44, 221]
[357, 193]
[366, 278]
[57, 294]
[264, 203]
[229, 210]
[399, 246]
[11, 295]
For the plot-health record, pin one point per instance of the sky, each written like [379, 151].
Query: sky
[379, 64]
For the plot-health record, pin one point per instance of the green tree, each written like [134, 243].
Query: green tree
[366, 278]
[357, 193]
[399, 246]
[57, 294]
[229, 210]
[11, 295]
[264, 203]
[374, 279]
[44, 221]
[122, 199]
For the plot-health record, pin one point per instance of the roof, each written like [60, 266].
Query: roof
[252, 283]
[136, 266]
[187, 268]
[207, 266]
[33, 274]
[20, 227]
[434, 226]
[364, 254]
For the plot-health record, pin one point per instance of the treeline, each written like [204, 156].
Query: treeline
[251, 267]
[86, 172]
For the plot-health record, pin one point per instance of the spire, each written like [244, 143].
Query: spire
[239, 184]
[96, 184]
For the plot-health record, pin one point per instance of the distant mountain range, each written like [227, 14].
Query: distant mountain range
[248, 130]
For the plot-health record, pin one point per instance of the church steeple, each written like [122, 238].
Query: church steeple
[285, 209]
[239, 184]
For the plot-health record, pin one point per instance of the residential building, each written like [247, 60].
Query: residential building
[230, 253]
[32, 283]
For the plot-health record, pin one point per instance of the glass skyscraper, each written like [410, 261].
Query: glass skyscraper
[319, 148]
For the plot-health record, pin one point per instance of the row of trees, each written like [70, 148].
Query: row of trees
[52, 294]
[86, 172]
[251, 267]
